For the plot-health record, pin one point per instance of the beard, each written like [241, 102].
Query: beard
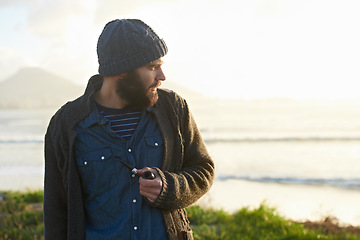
[132, 89]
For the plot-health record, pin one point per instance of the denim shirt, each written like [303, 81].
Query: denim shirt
[114, 208]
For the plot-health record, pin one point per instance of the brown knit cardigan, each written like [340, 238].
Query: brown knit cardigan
[187, 171]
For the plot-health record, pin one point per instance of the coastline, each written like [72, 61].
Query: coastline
[296, 202]
[22, 218]
[299, 203]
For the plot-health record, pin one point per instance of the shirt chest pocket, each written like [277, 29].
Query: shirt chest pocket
[154, 150]
[98, 174]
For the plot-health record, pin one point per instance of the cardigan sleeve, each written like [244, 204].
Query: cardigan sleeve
[55, 197]
[184, 187]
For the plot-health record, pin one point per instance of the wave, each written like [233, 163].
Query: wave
[22, 140]
[209, 140]
[279, 139]
[346, 183]
[22, 171]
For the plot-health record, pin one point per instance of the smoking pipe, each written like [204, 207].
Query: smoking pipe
[148, 175]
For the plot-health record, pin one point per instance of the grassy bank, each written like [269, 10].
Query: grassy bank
[263, 223]
[21, 215]
[21, 218]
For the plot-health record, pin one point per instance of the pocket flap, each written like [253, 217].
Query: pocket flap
[155, 141]
[99, 154]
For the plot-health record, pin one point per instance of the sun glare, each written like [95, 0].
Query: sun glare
[238, 49]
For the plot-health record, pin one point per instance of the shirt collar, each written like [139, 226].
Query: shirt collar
[150, 109]
[94, 117]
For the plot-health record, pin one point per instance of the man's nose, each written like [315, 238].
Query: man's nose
[160, 75]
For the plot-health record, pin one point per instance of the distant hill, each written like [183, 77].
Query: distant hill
[37, 88]
[191, 96]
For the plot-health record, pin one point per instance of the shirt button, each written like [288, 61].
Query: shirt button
[156, 144]
[85, 163]
[102, 157]
[133, 175]
[129, 150]
[135, 228]
[134, 201]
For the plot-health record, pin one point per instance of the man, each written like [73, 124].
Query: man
[98, 148]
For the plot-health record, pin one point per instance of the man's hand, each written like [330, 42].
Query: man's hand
[150, 188]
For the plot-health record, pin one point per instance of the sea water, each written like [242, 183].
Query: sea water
[301, 158]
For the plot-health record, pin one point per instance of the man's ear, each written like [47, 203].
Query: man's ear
[122, 75]
[115, 77]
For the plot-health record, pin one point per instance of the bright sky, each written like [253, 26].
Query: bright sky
[301, 49]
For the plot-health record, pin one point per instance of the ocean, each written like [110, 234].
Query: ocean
[300, 157]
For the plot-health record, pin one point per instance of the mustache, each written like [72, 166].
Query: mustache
[155, 84]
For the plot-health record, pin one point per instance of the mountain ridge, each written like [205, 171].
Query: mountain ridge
[37, 88]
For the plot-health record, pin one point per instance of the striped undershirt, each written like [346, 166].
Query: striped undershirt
[122, 121]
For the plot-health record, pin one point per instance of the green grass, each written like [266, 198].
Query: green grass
[21, 217]
[262, 223]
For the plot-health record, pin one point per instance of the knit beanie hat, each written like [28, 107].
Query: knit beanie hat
[127, 44]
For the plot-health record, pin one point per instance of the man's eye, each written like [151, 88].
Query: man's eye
[152, 67]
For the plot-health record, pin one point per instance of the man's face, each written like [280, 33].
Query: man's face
[139, 87]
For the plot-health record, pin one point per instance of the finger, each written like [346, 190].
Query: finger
[150, 189]
[151, 183]
[149, 196]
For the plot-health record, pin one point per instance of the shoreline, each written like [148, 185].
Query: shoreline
[260, 223]
[296, 202]
[292, 201]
